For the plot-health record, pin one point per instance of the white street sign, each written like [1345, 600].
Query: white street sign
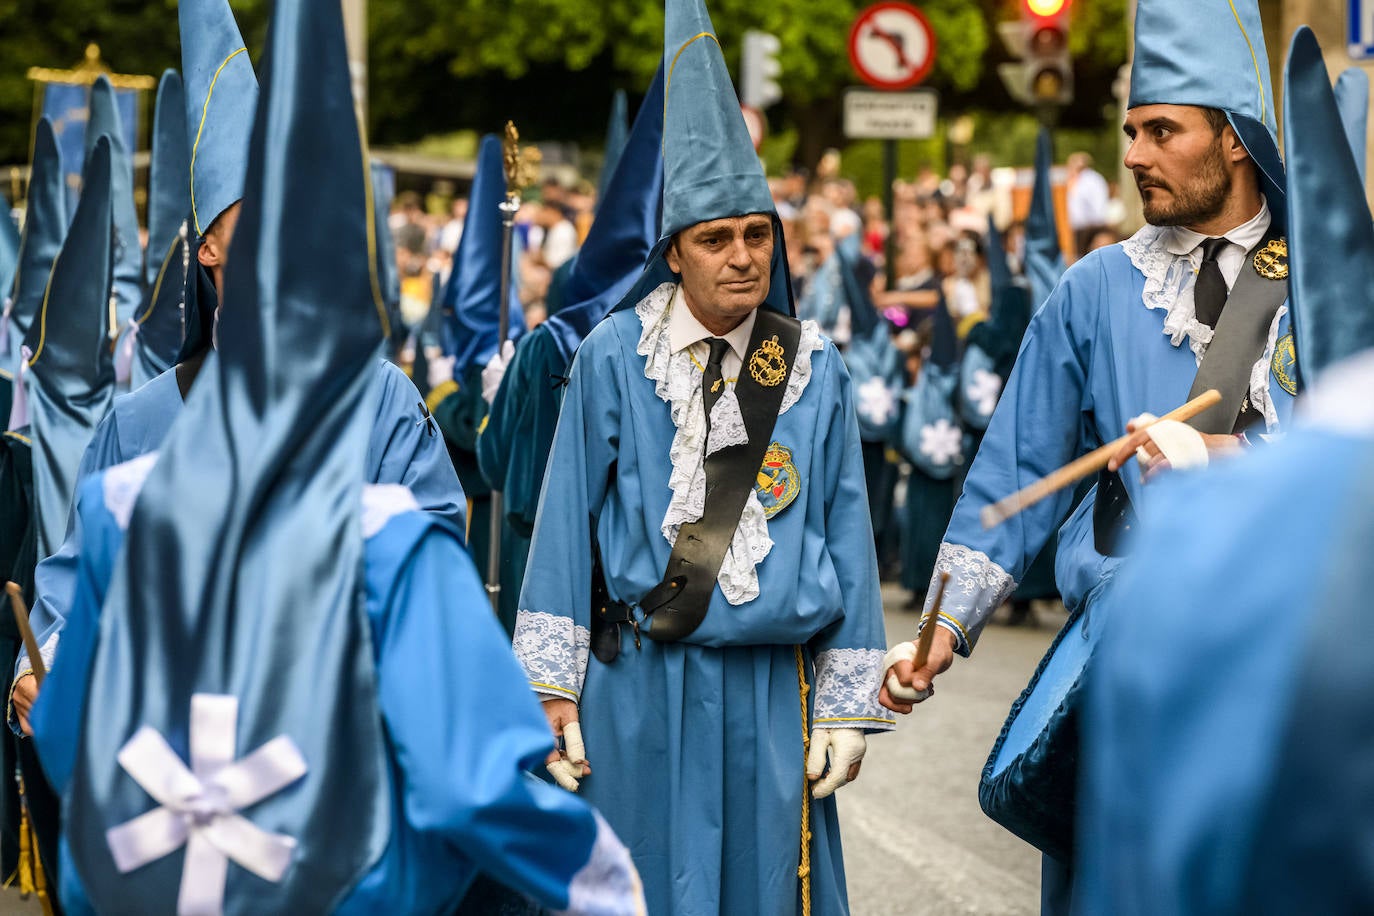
[890, 115]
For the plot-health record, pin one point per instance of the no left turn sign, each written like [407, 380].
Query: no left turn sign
[892, 46]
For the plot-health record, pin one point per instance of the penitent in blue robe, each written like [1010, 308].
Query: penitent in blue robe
[513, 447]
[1227, 740]
[405, 448]
[461, 726]
[697, 746]
[1095, 356]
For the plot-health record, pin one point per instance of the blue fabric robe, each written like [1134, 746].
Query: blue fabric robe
[405, 448]
[1093, 358]
[461, 726]
[1227, 740]
[697, 746]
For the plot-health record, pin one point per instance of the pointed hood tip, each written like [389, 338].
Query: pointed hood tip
[221, 94]
[1331, 236]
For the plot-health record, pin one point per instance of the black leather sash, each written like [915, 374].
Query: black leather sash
[678, 604]
[1241, 335]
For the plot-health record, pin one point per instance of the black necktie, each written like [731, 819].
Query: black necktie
[712, 380]
[1209, 293]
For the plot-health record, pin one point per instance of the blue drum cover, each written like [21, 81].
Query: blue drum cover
[1030, 780]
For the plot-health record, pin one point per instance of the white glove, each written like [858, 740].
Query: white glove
[440, 370]
[902, 652]
[571, 766]
[1179, 443]
[846, 747]
[495, 371]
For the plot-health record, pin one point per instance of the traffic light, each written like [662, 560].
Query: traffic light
[759, 70]
[1040, 39]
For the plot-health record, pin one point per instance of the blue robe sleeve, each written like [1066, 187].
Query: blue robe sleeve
[1037, 427]
[60, 709]
[848, 654]
[55, 577]
[513, 448]
[407, 448]
[464, 728]
[553, 626]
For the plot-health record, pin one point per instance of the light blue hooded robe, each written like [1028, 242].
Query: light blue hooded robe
[698, 746]
[336, 617]
[1227, 741]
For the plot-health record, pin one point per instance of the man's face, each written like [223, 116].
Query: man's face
[214, 250]
[725, 266]
[1183, 167]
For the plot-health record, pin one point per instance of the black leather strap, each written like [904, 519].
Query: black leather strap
[1241, 335]
[678, 604]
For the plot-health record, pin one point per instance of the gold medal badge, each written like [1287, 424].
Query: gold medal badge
[767, 365]
[1271, 261]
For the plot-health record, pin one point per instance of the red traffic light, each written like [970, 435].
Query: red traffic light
[1046, 8]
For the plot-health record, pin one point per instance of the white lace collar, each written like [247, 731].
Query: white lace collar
[677, 382]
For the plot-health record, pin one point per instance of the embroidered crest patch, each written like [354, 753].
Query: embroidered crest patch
[778, 481]
[1284, 365]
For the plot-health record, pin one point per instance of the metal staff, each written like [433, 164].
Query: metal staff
[520, 170]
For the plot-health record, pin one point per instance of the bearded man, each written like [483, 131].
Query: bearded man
[1194, 300]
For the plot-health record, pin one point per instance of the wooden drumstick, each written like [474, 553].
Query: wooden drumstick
[21, 617]
[1091, 463]
[927, 637]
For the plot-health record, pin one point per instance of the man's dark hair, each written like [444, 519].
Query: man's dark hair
[1217, 119]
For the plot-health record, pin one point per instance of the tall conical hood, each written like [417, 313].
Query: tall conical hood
[1352, 98]
[1211, 53]
[128, 252]
[1330, 236]
[999, 271]
[617, 135]
[388, 274]
[625, 229]
[221, 95]
[710, 169]
[45, 226]
[160, 322]
[266, 462]
[69, 375]
[470, 301]
[1044, 258]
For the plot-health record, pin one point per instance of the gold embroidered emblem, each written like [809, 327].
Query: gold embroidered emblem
[1271, 262]
[1284, 365]
[778, 482]
[766, 364]
[716, 386]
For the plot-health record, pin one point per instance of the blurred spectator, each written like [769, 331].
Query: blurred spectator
[408, 224]
[1088, 200]
[451, 233]
[558, 240]
[968, 289]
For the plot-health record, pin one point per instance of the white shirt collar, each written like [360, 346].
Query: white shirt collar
[1180, 241]
[684, 329]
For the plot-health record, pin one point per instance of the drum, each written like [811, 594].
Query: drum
[1031, 777]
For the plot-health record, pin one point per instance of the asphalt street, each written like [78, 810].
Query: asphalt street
[915, 841]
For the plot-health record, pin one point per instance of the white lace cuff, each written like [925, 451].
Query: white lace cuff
[847, 682]
[608, 885]
[382, 502]
[977, 587]
[553, 651]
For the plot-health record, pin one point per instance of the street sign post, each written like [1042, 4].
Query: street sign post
[890, 115]
[891, 47]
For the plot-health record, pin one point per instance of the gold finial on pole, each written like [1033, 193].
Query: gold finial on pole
[522, 165]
